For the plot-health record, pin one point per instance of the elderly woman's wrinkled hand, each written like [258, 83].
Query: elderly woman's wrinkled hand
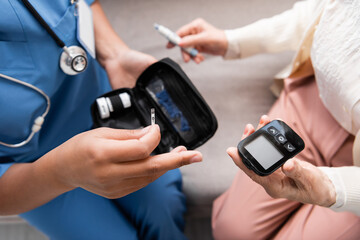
[297, 180]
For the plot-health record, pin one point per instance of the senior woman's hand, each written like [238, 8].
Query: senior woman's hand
[296, 180]
[204, 37]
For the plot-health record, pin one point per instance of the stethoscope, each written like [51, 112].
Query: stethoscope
[73, 60]
[38, 121]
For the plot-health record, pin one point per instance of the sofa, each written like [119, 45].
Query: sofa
[237, 91]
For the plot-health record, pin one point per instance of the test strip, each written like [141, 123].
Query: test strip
[152, 116]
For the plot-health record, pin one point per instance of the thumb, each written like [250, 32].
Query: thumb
[232, 152]
[295, 171]
[192, 40]
[126, 134]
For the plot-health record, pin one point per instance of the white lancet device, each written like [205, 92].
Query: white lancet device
[174, 39]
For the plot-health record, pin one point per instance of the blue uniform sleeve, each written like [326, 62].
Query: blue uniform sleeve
[4, 167]
[89, 2]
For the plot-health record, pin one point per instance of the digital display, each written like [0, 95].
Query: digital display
[264, 152]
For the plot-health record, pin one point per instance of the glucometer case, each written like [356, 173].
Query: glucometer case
[181, 112]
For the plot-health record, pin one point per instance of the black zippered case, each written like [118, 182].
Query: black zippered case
[181, 112]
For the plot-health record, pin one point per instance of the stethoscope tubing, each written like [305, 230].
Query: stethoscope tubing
[43, 23]
[38, 121]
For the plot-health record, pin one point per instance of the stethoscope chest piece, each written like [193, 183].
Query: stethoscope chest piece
[73, 60]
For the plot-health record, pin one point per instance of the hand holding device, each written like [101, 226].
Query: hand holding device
[204, 37]
[113, 162]
[270, 147]
[174, 39]
[296, 180]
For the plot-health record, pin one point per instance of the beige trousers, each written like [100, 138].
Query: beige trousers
[246, 211]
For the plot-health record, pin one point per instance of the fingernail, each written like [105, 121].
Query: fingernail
[246, 129]
[146, 129]
[289, 166]
[228, 151]
[196, 158]
[262, 120]
[182, 149]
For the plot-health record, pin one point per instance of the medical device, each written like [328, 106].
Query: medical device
[152, 116]
[270, 147]
[183, 116]
[38, 121]
[174, 39]
[113, 105]
[73, 59]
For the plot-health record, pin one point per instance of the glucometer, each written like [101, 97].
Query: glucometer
[270, 147]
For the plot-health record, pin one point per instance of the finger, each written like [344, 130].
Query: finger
[187, 29]
[313, 186]
[185, 56]
[198, 58]
[121, 134]
[170, 45]
[249, 129]
[121, 185]
[279, 119]
[132, 149]
[179, 149]
[133, 185]
[263, 121]
[295, 171]
[297, 178]
[169, 161]
[193, 40]
[154, 165]
[202, 58]
[233, 153]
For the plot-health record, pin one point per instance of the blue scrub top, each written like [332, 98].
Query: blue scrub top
[29, 54]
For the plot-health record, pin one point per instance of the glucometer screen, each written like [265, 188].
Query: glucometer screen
[264, 152]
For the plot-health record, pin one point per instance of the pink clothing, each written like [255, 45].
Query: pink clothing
[246, 211]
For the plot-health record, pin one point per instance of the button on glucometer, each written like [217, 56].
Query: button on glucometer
[289, 147]
[280, 138]
[273, 131]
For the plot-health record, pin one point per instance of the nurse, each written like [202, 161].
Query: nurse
[66, 180]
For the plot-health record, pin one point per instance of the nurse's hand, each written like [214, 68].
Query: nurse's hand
[122, 64]
[113, 163]
[124, 68]
[204, 37]
[297, 180]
